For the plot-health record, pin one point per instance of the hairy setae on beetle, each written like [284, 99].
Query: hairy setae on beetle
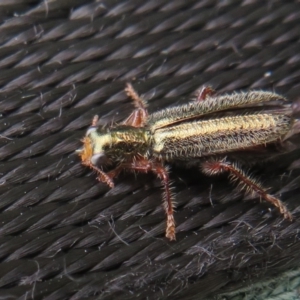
[208, 130]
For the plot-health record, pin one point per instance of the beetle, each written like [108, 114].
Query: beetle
[207, 130]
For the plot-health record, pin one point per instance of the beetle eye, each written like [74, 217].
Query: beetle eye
[98, 159]
[90, 130]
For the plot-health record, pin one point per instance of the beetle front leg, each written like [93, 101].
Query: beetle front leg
[102, 176]
[109, 176]
[248, 182]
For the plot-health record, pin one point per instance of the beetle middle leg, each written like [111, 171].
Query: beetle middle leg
[139, 116]
[215, 167]
[204, 92]
[143, 165]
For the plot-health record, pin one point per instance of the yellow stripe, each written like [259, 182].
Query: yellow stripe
[228, 124]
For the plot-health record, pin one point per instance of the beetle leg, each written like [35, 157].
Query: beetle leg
[246, 181]
[144, 165]
[115, 172]
[102, 176]
[139, 116]
[204, 92]
[168, 202]
[109, 176]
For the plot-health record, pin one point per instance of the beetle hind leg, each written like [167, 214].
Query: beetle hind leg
[247, 182]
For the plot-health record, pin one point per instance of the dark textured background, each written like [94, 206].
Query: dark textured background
[63, 235]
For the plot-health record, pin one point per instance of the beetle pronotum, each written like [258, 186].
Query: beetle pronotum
[207, 129]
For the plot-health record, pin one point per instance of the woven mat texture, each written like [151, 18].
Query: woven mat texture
[64, 235]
